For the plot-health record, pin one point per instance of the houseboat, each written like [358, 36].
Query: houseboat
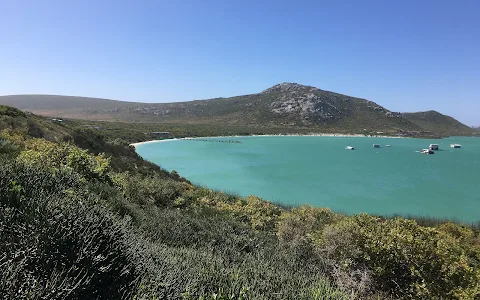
[427, 151]
[433, 147]
[455, 146]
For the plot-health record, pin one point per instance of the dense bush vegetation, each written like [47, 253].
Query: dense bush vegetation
[8, 111]
[65, 237]
[55, 245]
[404, 258]
[103, 224]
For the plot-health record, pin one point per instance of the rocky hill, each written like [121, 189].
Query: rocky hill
[436, 122]
[283, 105]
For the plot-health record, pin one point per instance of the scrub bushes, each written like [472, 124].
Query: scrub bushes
[405, 259]
[76, 224]
[150, 189]
[63, 238]
[11, 111]
[65, 156]
[55, 246]
[296, 227]
[258, 213]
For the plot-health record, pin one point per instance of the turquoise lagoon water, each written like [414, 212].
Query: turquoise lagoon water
[319, 171]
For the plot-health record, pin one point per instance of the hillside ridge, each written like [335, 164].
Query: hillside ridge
[286, 104]
[433, 120]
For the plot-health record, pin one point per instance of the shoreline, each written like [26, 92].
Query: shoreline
[272, 135]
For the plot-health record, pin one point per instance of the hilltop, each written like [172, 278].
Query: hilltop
[285, 105]
[436, 122]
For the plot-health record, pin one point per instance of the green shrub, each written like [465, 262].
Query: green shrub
[8, 148]
[197, 273]
[405, 259]
[11, 111]
[65, 156]
[56, 246]
[209, 197]
[298, 225]
[34, 129]
[322, 291]
[145, 190]
[260, 214]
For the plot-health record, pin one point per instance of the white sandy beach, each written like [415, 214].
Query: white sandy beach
[154, 141]
[270, 135]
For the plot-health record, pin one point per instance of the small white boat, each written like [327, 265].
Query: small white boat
[433, 147]
[427, 151]
[456, 146]
[350, 148]
[376, 145]
[388, 146]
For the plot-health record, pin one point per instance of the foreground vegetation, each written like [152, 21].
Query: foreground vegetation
[83, 217]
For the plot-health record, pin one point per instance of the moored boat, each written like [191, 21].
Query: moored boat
[427, 151]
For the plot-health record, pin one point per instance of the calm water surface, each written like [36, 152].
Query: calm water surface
[319, 171]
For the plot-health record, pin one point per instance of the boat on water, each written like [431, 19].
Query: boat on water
[456, 146]
[427, 151]
[388, 146]
[376, 145]
[350, 148]
[433, 147]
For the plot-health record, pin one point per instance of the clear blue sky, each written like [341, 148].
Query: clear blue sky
[406, 55]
